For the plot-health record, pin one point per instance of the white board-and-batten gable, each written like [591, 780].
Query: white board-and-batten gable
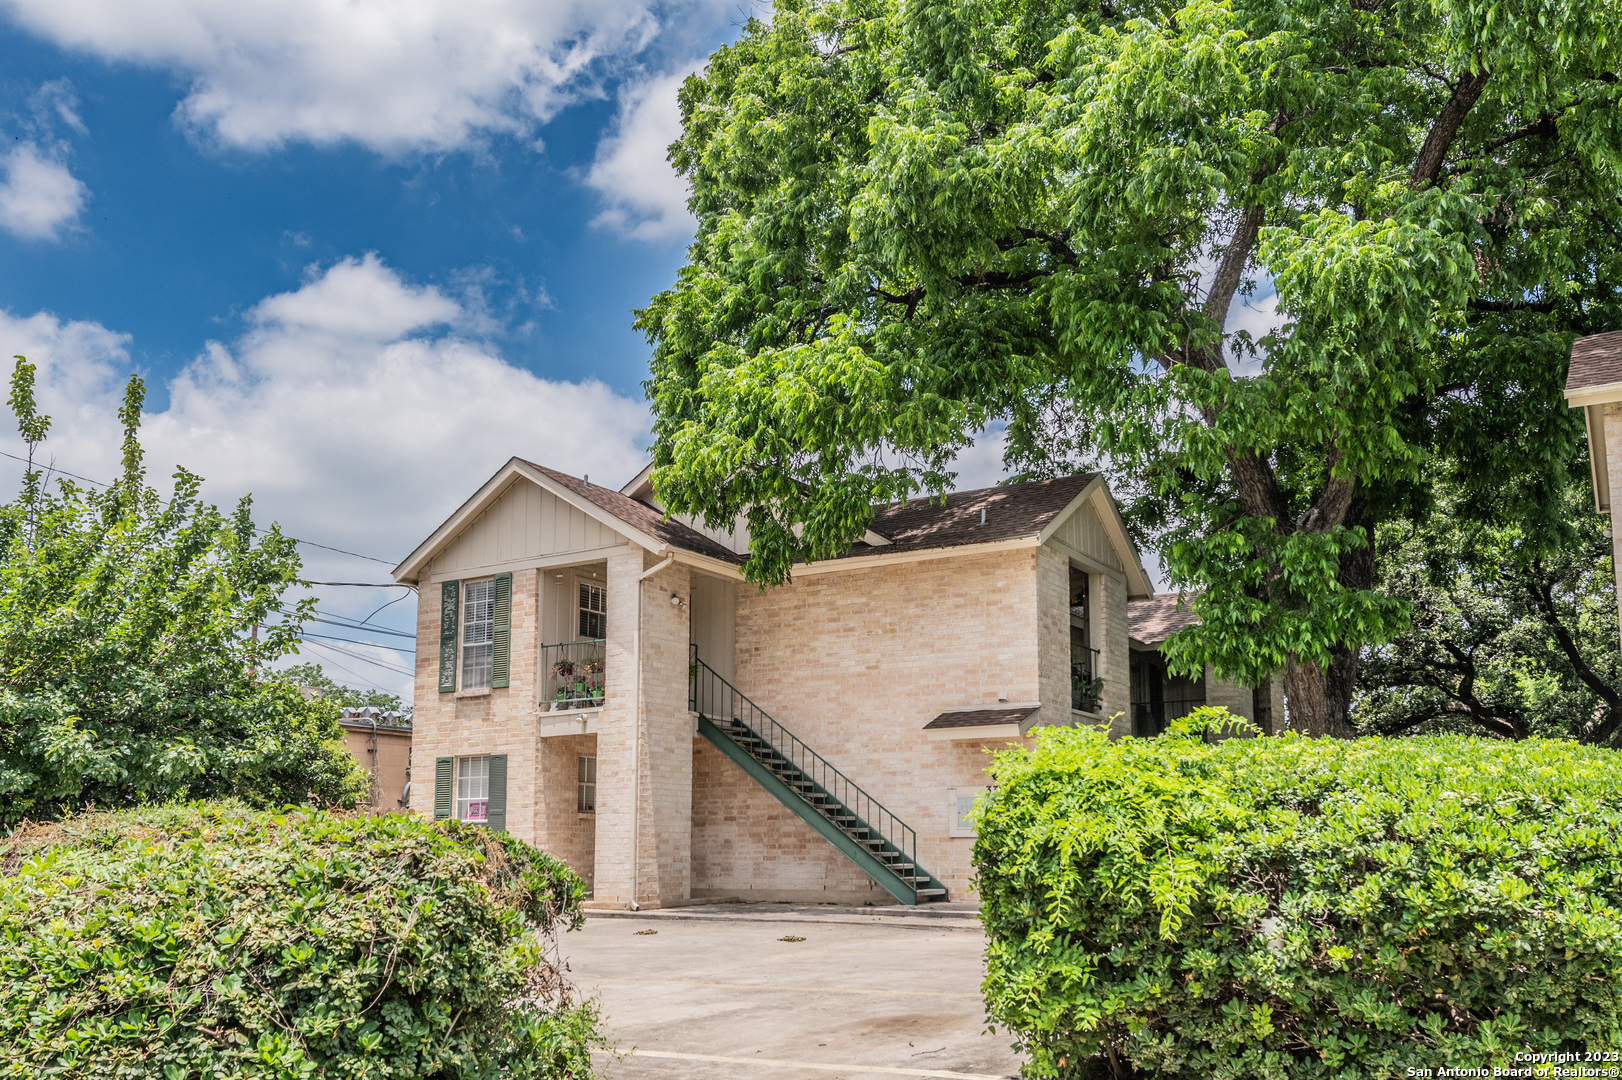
[512, 521]
[524, 523]
[1092, 528]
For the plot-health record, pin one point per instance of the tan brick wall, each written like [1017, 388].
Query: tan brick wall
[482, 722]
[749, 845]
[855, 663]
[561, 830]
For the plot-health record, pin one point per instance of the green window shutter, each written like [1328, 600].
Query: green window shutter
[444, 776]
[450, 598]
[501, 632]
[496, 815]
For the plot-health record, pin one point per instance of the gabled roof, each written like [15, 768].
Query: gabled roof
[1150, 622]
[642, 516]
[637, 521]
[1595, 373]
[1012, 510]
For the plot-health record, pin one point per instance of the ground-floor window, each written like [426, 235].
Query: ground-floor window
[586, 789]
[473, 788]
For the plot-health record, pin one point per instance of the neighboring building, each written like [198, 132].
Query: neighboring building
[1594, 384]
[600, 681]
[381, 742]
[1159, 697]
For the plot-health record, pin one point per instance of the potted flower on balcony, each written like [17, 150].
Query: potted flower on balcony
[597, 695]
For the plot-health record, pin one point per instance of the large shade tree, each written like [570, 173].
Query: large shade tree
[919, 218]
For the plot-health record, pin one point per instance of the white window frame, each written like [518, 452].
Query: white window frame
[478, 634]
[586, 785]
[956, 809]
[591, 602]
[472, 788]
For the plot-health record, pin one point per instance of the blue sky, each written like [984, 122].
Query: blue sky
[361, 251]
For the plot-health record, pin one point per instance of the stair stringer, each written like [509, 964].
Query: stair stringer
[873, 867]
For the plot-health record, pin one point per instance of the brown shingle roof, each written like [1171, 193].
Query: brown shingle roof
[1012, 510]
[642, 516]
[1149, 622]
[1596, 360]
[980, 718]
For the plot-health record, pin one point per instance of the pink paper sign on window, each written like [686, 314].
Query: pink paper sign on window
[476, 811]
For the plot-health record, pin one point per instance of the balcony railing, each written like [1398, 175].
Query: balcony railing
[1085, 685]
[572, 675]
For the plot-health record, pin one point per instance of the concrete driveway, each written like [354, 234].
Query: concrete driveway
[724, 993]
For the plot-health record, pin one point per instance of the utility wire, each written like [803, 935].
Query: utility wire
[308, 543]
[362, 629]
[352, 641]
[364, 659]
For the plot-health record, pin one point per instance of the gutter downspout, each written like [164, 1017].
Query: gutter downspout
[636, 734]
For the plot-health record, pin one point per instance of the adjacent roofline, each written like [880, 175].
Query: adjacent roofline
[1126, 552]
[1604, 394]
[638, 482]
[410, 569]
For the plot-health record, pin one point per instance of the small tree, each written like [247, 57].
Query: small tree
[132, 633]
[315, 677]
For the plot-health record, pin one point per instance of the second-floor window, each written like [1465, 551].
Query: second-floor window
[478, 633]
[593, 612]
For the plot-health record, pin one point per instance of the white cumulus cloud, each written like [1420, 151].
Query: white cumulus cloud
[39, 198]
[356, 409]
[392, 75]
[645, 198]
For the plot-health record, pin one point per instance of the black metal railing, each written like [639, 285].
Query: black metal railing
[572, 675]
[1085, 685]
[717, 700]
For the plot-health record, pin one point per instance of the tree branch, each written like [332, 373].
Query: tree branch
[1538, 587]
[1428, 165]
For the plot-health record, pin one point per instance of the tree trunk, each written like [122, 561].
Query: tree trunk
[1315, 707]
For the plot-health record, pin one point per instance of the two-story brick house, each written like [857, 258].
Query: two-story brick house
[601, 681]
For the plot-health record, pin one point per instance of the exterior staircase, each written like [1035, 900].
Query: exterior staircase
[884, 846]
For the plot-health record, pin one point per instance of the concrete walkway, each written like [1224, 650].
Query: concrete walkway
[717, 993]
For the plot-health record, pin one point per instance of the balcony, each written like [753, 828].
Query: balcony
[572, 675]
[1085, 685]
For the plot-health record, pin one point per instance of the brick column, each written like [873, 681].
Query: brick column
[1613, 452]
[1110, 638]
[644, 746]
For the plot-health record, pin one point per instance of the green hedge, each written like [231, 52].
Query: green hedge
[216, 941]
[1292, 908]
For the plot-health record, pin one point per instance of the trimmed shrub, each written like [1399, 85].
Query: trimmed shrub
[216, 941]
[1290, 908]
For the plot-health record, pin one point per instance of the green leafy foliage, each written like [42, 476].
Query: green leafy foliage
[1287, 907]
[133, 629]
[916, 219]
[1513, 631]
[315, 677]
[215, 941]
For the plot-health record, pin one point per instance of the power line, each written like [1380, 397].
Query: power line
[308, 543]
[353, 673]
[363, 659]
[364, 584]
[352, 641]
[362, 629]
